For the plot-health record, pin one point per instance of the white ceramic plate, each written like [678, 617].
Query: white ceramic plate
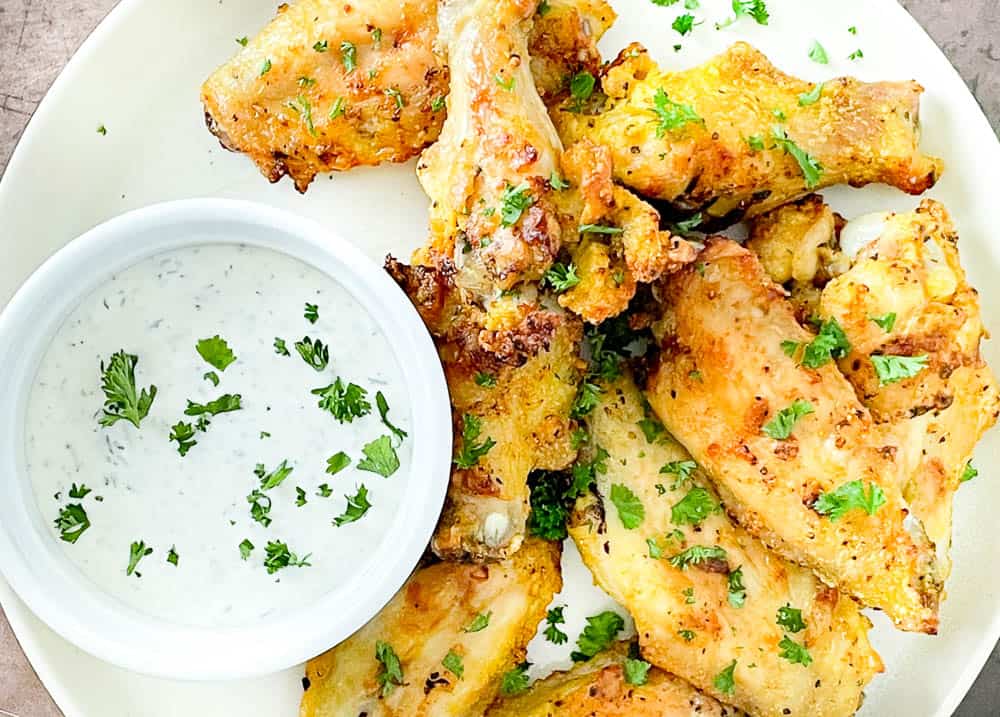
[139, 75]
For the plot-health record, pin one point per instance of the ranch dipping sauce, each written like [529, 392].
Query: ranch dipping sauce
[277, 406]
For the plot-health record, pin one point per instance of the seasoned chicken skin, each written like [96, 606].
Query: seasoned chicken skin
[330, 86]
[598, 688]
[695, 621]
[714, 138]
[795, 456]
[435, 613]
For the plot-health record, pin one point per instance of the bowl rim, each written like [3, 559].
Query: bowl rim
[31, 559]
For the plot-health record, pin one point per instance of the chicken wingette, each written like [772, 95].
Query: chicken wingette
[795, 456]
[330, 86]
[736, 136]
[600, 688]
[705, 595]
[441, 646]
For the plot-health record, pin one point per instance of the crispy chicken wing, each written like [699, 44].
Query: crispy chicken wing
[716, 138]
[598, 688]
[330, 86]
[433, 615]
[696, 619]
[796, 457]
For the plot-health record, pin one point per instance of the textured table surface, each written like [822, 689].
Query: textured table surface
[37, 37]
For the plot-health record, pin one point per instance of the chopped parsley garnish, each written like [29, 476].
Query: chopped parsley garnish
[306, 82]
[453, 663]
[694, 507]
[812, 96]
[672, 115]
[830, 343]
[344, 402]
[302, 107]
[264, 434]
[790, 618]
[486, 380]
[507, 84]
[549, 509]
[300, 497]
[778, 114]
[438, 103]
[757, 9]
[513, 202]
[311, 313]
[655, 551]
[724, 682]
[853, 30]
[79, 491]
[599, 229]
[278, 556]
[313, 353]
[681, 469]
[780, 427]
[794, 652]
[183, 433]
[246, 547]
[968, 473]
[280, 348]
[587, 398]
[856, 55]
[337, 462]
[265, 67]
[338, 108]
[892, 369]
[121, 398]
[554, 618]
[598, 635]
[686, 226]
[72, 522]
[579, 438]
[390, 675]
[211, 376]
[585, 472]
[242, 41]
[102, 130]
[480, 622]
[737, 592]
[383, 411]
[223, 404]
[884, 322]
[756, 143]
[260, 507]
[636, 671]
[630, 509]
[357, 506]
[172, 557]
[688, 635]
[515, 681]
[818, 54]
[324, 490]
[349, 56]
[561, 277]
[380, 457]
[697, 554]
[691, 4]
[557, 182]
[321, 46]
[581, 87]
[136, 552]
[848, 497]
[397, 97]
[664, 3]
[275, 477]
[812, 170]
[471, 452]
[684, 24]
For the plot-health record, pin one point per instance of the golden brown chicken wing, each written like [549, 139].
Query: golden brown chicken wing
[600, 688]
[737, 136]
[704, 594]
[796, 458]
[442, 644]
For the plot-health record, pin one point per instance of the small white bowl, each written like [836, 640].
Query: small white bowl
[32, 559]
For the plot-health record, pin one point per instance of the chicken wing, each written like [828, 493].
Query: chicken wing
[330, 86]
[796, 458]
[697, 614]
[737, 136]
[599, 688]
[483, 615]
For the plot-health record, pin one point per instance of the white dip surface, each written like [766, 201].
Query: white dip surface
[158, 310]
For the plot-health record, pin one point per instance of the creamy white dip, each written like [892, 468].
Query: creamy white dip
[143, 489]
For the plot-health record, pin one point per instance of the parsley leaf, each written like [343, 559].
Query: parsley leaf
[122, 400]
[756, 143]
[357, 506]
[383, 412]
[102, 130]
[338, 108]
[438, 103]
[780, 427]
[848, 497]
[242, 41]
[486, 380]
[397, 97]
[380, 457]
[664, 3]
[513, 202]
[345, 403]
[311, 313]
[246, 547]
[549, 509]
[811, 97]
[471, 452]
[554, 618]
[136, 552]
[480, 622]
[968, 473]
[684, 24]
[818, 54]
[585, 472]
[507, 84]
[349, 56]
[337, 462]
[275, 477]
[599, 229]
[884, 322]
[830, 343]
[790, 618]
[688, 635]
[79, 491]
[223, 404]
[302, 107]
[72, 522]
[694, 507]
[856, 55]
[561, 277]
[557, 182]
[323, 490]
[655, 551]
[278, 556]
[697, 554]
[172, 557]
[183, 433]
[390, 675]
[265, 67]
[300, 497]
[581, 87]
[724, 682]
[756, 9]
[313, 353]
[892, 369]
[515, 681]
[211, 376]
[794, 652]
[672, 115]
[812, 170]
[681, 469]
[216, 352]
[636, 671]
[630, 509]
[453, 663]
[260, 507]
[737, 592]
[280, 348]
[598, 635]
[321, 46]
